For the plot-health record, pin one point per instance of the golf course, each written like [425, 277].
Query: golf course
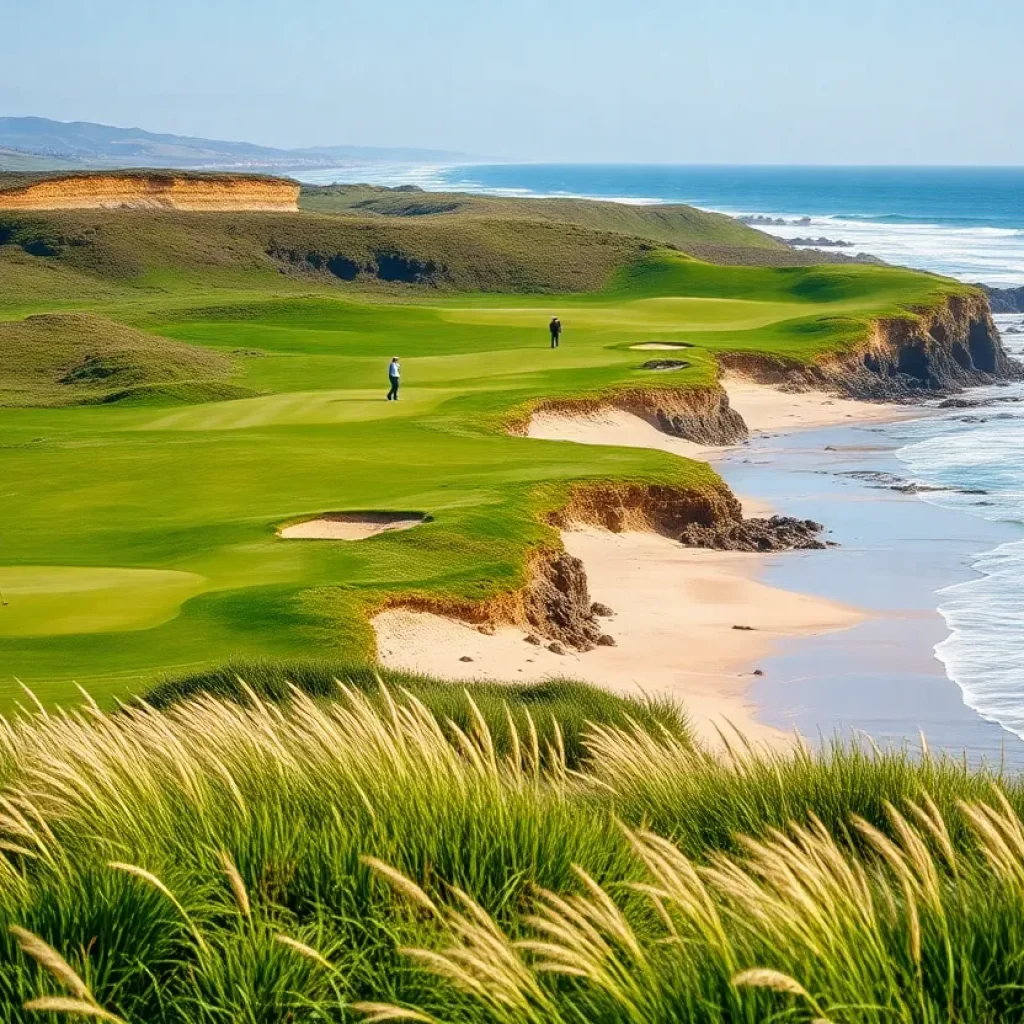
[208, 503]
[177, 388]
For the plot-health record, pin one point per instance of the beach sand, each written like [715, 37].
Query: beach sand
[765, 408]
[675, 609]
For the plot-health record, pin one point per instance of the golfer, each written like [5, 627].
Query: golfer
[556, 331]
[394, 378]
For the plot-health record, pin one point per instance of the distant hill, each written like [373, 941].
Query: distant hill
[37, 143]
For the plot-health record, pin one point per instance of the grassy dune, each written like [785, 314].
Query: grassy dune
[684, 227]
[71, 359]
[240, 386]
[364, 859]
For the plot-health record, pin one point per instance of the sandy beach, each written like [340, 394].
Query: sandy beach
[675, 612]
[675, 607]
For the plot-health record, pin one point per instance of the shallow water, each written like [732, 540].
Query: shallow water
[903, 557]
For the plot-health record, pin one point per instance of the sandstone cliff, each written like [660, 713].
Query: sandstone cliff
[702, 415]
[153, 190]
[937, 351]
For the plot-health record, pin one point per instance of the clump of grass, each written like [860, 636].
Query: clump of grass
[505, 707]
[367, 857]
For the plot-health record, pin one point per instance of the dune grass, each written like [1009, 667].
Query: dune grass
[360, 859]
[74, 358]
[244, 389]
[684, 227]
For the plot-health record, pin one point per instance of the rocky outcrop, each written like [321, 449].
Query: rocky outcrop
[925, 354]
[658, 508]
[154, 190]
[704, 416]
[779, 533]
[557, 602]
[1004, 300]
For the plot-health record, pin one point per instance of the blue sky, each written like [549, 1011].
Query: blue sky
[721, 81]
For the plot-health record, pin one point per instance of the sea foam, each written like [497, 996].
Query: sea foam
[981, 451]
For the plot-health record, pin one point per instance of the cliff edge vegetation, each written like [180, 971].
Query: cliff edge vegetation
[187, 384]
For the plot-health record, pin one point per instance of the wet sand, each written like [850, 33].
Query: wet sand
[881, 677]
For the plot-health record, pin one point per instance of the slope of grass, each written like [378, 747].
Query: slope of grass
[73, 358]
[158, 552]
[682, 226]
[364, 859]
[154, 248]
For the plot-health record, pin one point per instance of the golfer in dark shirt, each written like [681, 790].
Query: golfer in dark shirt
[556, 331]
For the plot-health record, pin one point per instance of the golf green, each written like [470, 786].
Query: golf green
[139, 537]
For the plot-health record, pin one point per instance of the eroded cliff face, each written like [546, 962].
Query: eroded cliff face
[156, 191]
[905, 359]
[702, 415]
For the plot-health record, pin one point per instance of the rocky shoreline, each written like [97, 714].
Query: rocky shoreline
[908, 359]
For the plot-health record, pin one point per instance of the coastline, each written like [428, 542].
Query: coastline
[676, 608]
[896, 555]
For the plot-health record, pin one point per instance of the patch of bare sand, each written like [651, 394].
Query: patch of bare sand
[675, 609]
[615, 427]
[661, 346]
[765, 408]
[349, 526]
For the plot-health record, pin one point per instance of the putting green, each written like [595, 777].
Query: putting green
[183, 502]
[51, 600]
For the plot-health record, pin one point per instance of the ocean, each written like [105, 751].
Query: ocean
[966, 223]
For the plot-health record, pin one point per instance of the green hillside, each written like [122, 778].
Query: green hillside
[161, 250]
[158, 550]
[73, 358]
[685, 227]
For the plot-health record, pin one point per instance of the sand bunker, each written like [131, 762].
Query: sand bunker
[661, 346]
[350, 525]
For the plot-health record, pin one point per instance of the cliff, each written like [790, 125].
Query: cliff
[924, 354]
[151, 190]
[701, 415]
[1004, 300]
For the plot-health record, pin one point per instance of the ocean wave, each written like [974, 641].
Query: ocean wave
[983, 653]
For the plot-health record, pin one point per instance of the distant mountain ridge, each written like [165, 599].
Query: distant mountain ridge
[37, 143]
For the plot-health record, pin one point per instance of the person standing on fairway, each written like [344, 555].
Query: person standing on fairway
[394, 378]
[556, 331]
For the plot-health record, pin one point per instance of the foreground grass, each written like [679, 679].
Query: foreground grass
[361, 859]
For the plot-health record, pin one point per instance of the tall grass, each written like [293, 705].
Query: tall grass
[366, 858]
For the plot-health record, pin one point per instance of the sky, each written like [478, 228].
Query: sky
[635, 81]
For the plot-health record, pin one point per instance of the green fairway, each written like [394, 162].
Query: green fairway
[143, 480]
